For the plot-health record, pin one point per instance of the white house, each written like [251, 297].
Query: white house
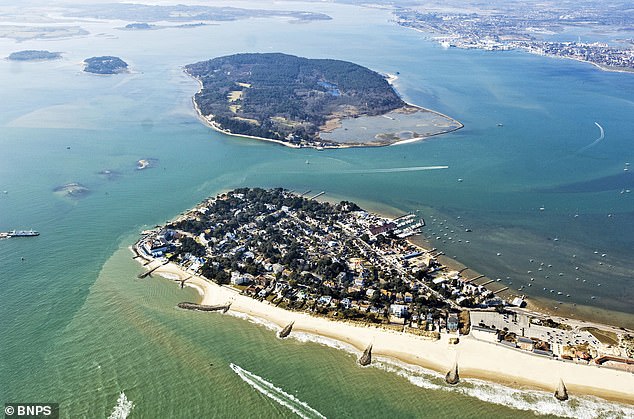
[240, 279]
[398, 310]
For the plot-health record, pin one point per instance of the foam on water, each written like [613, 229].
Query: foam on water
[123, 407]
[267, 388]
[322, 340]
[539, 402]
[256, 320]
[168, 275]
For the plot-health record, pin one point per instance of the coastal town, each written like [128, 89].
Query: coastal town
[528, 30]
[340, 262]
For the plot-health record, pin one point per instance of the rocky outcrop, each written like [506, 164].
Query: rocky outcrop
[452, 376]
[286, 331]
[201, 307]
[366, 358]
[561, 393]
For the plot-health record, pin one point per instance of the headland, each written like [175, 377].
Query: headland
[340, 272]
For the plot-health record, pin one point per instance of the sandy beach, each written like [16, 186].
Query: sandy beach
[475, 358]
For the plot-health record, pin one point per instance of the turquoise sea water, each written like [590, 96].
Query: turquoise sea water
[77, 327]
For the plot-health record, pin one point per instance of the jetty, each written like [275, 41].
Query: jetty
[286, 331]
[366, 357]
[318, 195]
[452, 376]
[202, 307]
[561, 393]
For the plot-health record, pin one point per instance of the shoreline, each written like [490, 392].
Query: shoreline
[476, 359]
[601, 67]
[390, 78]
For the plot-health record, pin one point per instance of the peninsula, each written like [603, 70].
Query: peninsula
[341, 272]
[296, 101]
[105, 65]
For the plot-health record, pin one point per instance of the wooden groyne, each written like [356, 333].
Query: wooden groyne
[366, 358]
[149, 273]
[561, 393]
[287, 330]
[452, 376]
[202, 307]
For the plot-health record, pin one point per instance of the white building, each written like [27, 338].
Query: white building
[398, 310]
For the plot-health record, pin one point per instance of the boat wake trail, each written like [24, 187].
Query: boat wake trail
[123, 408]
[595, 142]
[289, 401]
[398, 169]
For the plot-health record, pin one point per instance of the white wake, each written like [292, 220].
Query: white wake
[123, 407]
[289, 401]
[595, 142]
[398, 169]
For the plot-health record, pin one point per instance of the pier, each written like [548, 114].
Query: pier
[318, 195]
[499, 291]
[487, 282]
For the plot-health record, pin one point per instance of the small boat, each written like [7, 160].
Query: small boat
[23, 233]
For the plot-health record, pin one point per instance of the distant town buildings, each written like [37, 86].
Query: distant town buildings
[524, 28]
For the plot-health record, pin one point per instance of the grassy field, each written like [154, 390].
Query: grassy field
[606, 337]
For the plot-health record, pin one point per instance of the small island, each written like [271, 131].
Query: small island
[303, 102]
[139, 26]
[105, 65]
[34, 55]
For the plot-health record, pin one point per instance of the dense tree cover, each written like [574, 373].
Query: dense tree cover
[290, 97]
[105, 65]
[32, 55]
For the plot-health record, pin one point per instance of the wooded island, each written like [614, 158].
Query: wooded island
[289, 99]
